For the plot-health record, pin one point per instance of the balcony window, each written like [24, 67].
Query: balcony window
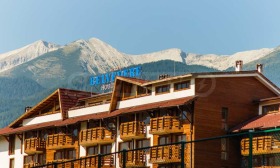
[144, 117]
[182, 85]
[93, 150]
[163, 140]
[41, 159]
[126, 145]
[29, 159]
[65, 154]
[12, 142]
[180, 138]
[270, 108]
[143, 143]
[106, 149]
[162, 89]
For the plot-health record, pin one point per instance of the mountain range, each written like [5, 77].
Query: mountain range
[32, 72]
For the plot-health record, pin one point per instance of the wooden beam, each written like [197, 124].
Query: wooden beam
[7, 138]
[20, 136]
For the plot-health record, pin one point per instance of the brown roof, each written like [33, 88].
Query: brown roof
[267, 121]
[136, 81]
[67, 98]
[69, 121]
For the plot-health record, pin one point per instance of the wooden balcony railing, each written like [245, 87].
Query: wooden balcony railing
[92, 162]
[261, 145]
[133, 159]
[165, 125]
[165, 154]
[30, 165]
[93, 136]
[34, 145]
[60, 141]
[132, 130]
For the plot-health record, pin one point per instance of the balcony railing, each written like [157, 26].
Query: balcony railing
[30, 165]
[165, 125]
[135, 158]
[93, 136]
[165, 154]
[92, 162]
[132, 130]
[60, 141]
[34, 145]
[260, 145]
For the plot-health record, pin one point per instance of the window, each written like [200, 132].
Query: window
[93, 150]
[65, 154]
[144, 117]
[143, 143]
[224, 118]
[126, 145]
[224, 149]
[28, 159]
[41, 159]
[180, 138]
[105, 149]
[12, 141]
[163, 140]
[162, 89]
[270, 108]
[142, 91]
[12, 163]
[182, 85]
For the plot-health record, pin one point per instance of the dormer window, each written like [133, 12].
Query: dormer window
[162, 89]
[182, 85]
[270, 108]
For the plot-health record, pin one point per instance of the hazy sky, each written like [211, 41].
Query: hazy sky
[136, 27]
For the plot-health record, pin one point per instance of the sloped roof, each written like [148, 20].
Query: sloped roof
[261, 122]
[69, 121]
[67, 98]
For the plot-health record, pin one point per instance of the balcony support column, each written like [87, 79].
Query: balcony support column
[250, 158]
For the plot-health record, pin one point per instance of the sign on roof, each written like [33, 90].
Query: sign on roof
[110, 77]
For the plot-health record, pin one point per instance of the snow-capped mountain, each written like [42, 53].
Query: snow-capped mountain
[16, 57]
[223, 62]
[96, 56]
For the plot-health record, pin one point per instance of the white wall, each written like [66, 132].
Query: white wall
[41, 119]
[5, 157]
[88, 110]
[4, 147]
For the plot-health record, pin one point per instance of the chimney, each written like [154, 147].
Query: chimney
[238, 65]
[260, 68]
[27, 108]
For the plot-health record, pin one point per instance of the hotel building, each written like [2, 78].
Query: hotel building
[70, 124]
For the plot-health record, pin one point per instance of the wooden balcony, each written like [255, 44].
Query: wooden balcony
[132, 130]
[94, 136]
[30, 165]
[134, 159]
[261, 145]
[165, 125]
[60, 141]
[34, 145]
[92, 162]
[165, 154]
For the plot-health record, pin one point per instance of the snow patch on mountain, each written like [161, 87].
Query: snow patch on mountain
[16, 57]
[170, 54]
[222, 62]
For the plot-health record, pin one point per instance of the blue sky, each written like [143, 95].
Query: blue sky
[136, 27]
